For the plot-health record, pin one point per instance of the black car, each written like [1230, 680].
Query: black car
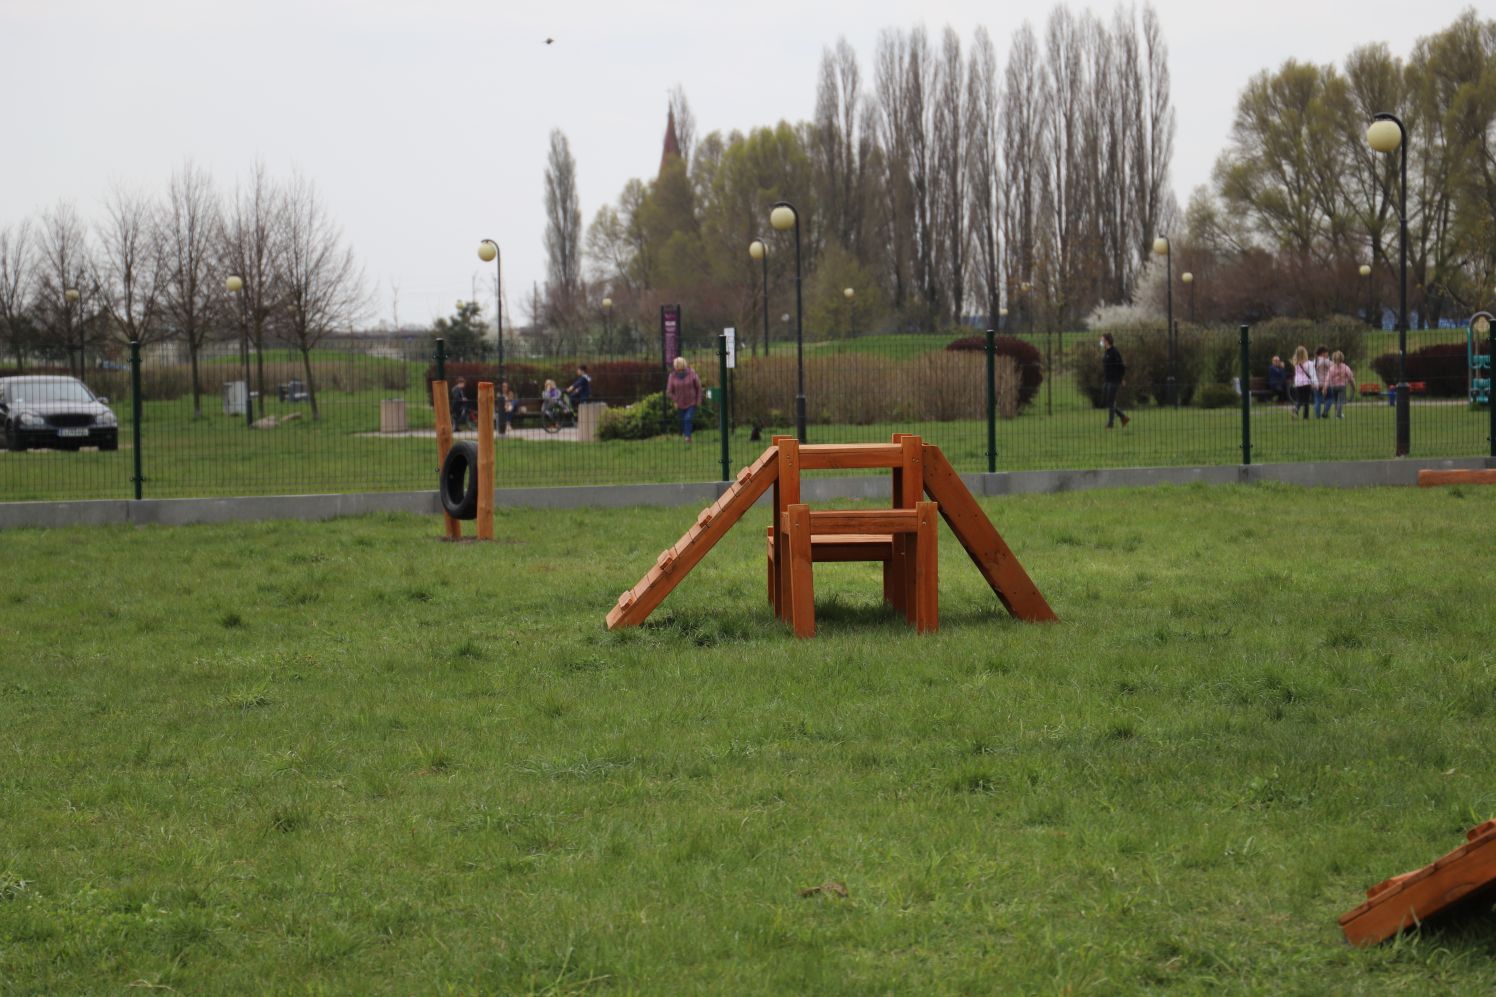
[57, 412]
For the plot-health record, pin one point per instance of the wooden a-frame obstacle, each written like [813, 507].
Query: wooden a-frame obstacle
[903, 537]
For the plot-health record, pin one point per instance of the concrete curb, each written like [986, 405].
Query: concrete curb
[183, 512]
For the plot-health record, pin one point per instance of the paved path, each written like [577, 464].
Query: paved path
[566, 434]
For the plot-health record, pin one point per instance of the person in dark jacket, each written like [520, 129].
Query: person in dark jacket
[462, 411]
[1112, 372]
[580, 390]
[1277, 379]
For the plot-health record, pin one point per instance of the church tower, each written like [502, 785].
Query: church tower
[672, 143]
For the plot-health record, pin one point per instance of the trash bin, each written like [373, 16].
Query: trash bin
[589, 418]
[392, 415]
[235, 397]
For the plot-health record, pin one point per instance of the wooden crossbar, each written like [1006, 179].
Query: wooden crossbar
[849, 456]
[844, 522]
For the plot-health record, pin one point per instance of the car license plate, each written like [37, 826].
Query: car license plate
[72, 432]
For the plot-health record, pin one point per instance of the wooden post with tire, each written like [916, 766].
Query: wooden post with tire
[441, 402]
[484, 470]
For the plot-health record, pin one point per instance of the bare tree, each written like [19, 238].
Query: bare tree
[190, 224]
[563, 229]
[250, 245]
[949, 114]
[983, 107]
[317, 274]
[128, 267]
[65, 267]
[17, 284]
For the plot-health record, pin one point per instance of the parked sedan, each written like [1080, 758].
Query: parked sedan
[57, 412]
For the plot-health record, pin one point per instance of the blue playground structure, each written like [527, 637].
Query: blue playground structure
[1479, 363]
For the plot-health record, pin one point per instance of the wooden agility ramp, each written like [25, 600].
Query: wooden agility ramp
[902, 538]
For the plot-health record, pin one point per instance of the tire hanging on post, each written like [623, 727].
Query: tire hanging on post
[459, 481]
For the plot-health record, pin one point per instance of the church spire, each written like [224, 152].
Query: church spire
[672, 143]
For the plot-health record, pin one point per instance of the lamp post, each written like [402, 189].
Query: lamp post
[1002, 319]
[234, 284]
[1370, 305]
[488, 252]
[70, 298]
[784, 217]
[1161, 247]
[760, 251]
[849, 294]
[1189, 281]
[608, 323]
[1387, 134]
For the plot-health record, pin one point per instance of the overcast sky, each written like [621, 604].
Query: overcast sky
[425, 124]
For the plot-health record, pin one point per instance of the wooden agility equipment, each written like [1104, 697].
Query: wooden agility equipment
[1407, 900]
[441, 402]
[1432, 479]
[903, 538]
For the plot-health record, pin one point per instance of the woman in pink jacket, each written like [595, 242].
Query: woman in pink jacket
[1338, 379]
[683, 388]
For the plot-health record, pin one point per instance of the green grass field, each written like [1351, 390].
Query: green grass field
[345, 757]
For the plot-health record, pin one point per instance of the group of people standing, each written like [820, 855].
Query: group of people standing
[1321, 383]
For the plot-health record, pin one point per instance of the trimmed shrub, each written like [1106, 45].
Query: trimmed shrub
[1444, 368]
[1146, 353]
[1027, 360]
[1217, 396]
[653, 415]
[1280, 336]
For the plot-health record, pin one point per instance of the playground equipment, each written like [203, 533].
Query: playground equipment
[466, 477]
[1404, 901]
[1480, 383]
[903, 538]
[1432, 479]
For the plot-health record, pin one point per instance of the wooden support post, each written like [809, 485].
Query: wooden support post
[894, 575]
[796, 527]
[927, 568]
[910, 491]
[484, 470]
[442, 403]
[787, 485]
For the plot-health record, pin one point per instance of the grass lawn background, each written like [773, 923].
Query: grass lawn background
[345, 756]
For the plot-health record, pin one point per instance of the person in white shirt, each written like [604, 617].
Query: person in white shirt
[1305, 382]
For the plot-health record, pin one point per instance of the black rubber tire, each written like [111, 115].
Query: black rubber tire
[110, 445]
[458, 483]
[13, 440]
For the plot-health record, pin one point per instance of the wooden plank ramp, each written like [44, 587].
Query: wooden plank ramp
[991, 554]
[712, 524]
[1404, 901]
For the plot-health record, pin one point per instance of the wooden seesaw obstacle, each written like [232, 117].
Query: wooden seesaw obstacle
[903, 537]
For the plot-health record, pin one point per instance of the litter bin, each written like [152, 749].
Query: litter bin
[235, 397]
[392, 415]
[589, 418]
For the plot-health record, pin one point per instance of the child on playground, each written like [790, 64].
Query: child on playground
[1337, 380]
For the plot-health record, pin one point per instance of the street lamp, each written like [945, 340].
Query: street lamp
[70, 298]
[1189, 281]
[234, 284]
[488, 252]
[760, 251]
[608, 322]
[849, 294]
[1002, 316]
[1161, 247]
[784, 217]
[1370, 287]
[1386, 134]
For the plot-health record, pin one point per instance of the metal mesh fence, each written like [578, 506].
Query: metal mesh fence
[356, 415]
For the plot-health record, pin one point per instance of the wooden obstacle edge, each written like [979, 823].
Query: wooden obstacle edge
[778, 468]
[441, 401]
[1405, 901]
[1433, 479]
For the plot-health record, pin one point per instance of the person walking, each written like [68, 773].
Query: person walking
[1322, 389]
[462, 412]
[683, 388]
[1112, 372]
[580, 390]
[1338, 381]
[1305, 382]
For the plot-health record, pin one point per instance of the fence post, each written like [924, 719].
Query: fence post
[722, 404]
[1246, 395]
[991, 402]
[139, 477]
[441, 359]
[1491, 381]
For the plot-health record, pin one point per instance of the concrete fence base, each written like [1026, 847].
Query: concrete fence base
[182, 512]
